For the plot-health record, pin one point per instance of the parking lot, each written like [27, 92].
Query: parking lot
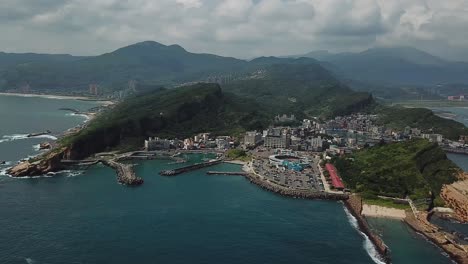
[308, 179]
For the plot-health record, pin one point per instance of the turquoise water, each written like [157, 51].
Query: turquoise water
[191, 218]
[406, 245]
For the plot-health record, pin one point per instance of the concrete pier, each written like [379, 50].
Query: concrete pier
[193, 167]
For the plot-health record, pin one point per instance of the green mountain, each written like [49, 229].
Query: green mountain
[14, 59]
[174, 113]
[397, 66]
[146, 62]
[301, 86]
[413, 168]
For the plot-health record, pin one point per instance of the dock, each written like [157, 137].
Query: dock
[193, 167]
[228, 173]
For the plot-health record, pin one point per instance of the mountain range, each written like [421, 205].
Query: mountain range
[152, 63]
[396, 66]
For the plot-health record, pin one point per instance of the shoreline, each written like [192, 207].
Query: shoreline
[370, 210]
[58, 97]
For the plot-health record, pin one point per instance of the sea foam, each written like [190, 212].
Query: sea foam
[368, 246]
[15, 137]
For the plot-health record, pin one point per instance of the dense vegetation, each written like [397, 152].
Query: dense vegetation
[238, 154]
[415, 168]
[305, 89]
[174, 113]
[421, 118]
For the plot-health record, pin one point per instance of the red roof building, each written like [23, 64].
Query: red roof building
[336, 180]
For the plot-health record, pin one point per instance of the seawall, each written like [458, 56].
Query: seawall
[294, 193]
[354, 205]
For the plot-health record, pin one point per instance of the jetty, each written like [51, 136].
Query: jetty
[125, 173]
[355, 205]
[193, 167]
[228, 173]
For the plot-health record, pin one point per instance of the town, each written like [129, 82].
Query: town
[296, 157]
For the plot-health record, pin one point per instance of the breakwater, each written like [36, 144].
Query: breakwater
[266, 185]
[354, 205]
[125, 173]
[196, 166]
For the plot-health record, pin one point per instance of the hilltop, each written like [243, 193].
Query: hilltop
[302, 87]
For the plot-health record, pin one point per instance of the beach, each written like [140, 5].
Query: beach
[60, 97]
[383, 212]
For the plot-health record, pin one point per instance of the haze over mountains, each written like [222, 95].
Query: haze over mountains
[153, 63]
[399, 65]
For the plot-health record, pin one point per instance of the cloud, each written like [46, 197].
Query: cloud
[241, 28]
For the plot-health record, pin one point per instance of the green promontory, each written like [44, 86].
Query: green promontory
[174, 113]
[415, 168]
[421, 118]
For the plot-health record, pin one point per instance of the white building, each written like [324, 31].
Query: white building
[157, 144]
[283, 141]
[433, 137]
[252, 138]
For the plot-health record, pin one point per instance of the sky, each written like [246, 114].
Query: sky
[238, 28]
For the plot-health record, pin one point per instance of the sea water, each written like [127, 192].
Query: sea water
[86, 217]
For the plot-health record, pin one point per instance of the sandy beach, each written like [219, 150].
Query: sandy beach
[383, 212]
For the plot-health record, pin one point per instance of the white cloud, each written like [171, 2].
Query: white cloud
[242, 28]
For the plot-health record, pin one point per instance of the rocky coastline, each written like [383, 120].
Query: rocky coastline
[447, 242]
[49, 162]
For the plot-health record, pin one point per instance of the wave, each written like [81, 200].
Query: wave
[86, 117]
[15, 137]
[368, 245]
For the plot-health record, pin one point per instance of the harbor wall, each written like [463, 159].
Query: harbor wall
[354, 205]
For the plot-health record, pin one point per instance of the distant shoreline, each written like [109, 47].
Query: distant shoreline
[59, 97]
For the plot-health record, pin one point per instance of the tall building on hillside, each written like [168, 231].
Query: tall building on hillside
[94, 89]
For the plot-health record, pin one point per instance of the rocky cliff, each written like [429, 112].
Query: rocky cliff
[455, 196]
[50, 162]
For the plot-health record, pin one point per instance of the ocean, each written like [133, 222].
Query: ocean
[86, 217]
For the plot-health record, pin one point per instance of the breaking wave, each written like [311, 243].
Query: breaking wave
[86, 117]
[368, 246]
[15, 137]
